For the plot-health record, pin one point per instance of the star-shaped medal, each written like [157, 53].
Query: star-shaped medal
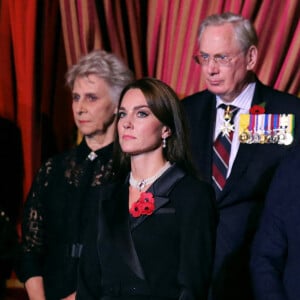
[226, 128]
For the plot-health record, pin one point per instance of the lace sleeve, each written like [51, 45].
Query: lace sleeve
[33, 224]
[33, 227]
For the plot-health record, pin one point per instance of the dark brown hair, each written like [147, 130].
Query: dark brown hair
[165, 105]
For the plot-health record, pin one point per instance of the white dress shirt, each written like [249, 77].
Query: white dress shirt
[243, 102]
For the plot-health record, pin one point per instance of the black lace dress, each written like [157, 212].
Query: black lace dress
[56, 213]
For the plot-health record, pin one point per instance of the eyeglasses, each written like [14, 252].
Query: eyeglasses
[223, 60]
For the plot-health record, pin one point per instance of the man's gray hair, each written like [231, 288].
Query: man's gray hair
[243, 28]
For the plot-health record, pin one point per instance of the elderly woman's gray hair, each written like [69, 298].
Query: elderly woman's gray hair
[106, 66]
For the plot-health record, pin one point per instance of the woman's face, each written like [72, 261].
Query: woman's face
[140, 132]
[93, 109]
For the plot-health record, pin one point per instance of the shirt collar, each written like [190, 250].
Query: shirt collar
[243, 100]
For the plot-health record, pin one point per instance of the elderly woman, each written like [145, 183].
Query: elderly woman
[56, 210]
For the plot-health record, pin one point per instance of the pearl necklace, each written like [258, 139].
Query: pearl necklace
[140, 184]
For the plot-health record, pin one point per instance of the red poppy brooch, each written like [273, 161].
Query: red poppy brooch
[258, 109]
[143, 206]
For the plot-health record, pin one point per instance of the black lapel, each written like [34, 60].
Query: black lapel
[114, 227]
[114, 216]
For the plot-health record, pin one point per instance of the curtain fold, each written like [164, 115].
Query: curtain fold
[159, 38]
[111, 25]
[30, 57]
[80, 28]
[7, 76]
[289, 74]
[22, 21]
[276, 24]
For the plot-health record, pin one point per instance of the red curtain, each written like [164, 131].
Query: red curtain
[39, 39]
[81, 26]
[157, 37]
[18, 22]
[32, 63]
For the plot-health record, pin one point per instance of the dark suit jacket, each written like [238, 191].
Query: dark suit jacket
[167, 255]
[242, 198]
[275, 260]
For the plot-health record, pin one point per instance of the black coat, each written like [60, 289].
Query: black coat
[166, 255]
[55, 217]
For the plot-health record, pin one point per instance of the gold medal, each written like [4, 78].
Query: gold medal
[244, 134]
[244, 137]
[227, 114]
[263, 138]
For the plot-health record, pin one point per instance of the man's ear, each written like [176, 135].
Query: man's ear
[251, 57]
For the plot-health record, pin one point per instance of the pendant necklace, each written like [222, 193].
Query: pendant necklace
[140, 184]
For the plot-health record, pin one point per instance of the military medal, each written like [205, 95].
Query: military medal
[243, 128]
[267, 128]
[227, 126]
[283, 124]
[288, 139]
[274, 134]
[251, 129]
[261, 128]
[286, 124]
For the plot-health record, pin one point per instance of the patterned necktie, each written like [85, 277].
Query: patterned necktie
[222, 147]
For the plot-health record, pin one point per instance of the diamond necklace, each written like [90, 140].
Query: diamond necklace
[140, 184]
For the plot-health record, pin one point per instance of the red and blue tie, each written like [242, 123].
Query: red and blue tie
[222, 148]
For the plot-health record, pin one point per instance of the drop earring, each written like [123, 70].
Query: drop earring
[164, 143]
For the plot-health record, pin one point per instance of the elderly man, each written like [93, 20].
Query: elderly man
[234, 147]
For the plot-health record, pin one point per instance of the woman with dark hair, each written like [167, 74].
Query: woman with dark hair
[164, 105]
[156, 231]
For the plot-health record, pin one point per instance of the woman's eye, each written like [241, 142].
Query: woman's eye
[121, 114]
[92, 98]
[142, 114]
[75, 98]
